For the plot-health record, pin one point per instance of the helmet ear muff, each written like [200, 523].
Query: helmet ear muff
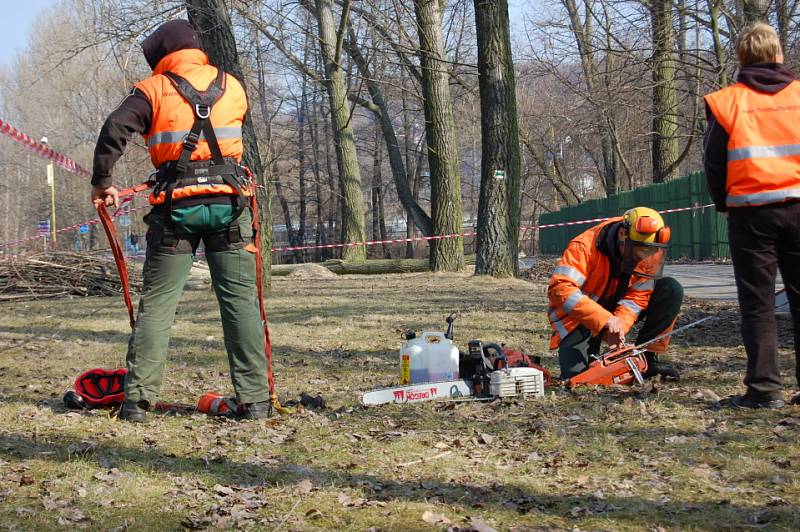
[663, 235]
[646, 225]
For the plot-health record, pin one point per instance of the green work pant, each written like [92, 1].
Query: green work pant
[169, 258]
[660, 314]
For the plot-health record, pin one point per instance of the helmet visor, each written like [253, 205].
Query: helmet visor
[643, 259]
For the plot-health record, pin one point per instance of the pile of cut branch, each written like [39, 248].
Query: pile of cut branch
[62, 274]
[541, 270]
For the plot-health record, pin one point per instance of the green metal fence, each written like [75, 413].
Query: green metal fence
[699, 233]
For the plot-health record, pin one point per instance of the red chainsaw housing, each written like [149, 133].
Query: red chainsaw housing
[611, 369]
[518, 359]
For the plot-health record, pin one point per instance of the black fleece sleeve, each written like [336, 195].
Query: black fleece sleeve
[715, 161]
[132, 116]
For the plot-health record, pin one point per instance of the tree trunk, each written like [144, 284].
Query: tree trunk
[301, 166]
[447, 254]
[381, 112]
[719, 50]
[270, 173]
[378, 221]
[413, 172]
[665, 151]
[321, 236]
[346, 155]
[301, 143]
[499, 203]
[213, 24]
[291, 236]
[783, 17]
[754, 11]
[582, 31]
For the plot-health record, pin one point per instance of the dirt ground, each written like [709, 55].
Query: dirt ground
[660, 457]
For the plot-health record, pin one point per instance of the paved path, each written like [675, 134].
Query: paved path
[707, 281]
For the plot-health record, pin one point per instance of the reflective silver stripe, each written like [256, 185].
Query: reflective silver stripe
[171, 137]
[762, 198]
[560, 329]
[644, 285]
[573, 299]
[595, 297]
[572, 273]
[633, 307]
[750, 152]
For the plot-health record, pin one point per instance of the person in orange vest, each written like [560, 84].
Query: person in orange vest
[190, 114]
[752, 165]
[609, 278]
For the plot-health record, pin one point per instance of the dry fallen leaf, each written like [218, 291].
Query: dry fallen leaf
[23, 512]
[435, 518]
[313, 513]
[219, 489]
[477, 524]
[303, 487]
[347, 501]
[677, 439]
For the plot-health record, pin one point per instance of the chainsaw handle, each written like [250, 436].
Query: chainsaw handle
[496, 348]
[450, 319]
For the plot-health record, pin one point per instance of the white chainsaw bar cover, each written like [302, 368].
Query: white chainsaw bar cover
[416, 393]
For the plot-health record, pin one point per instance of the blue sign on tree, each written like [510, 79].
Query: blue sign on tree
[83, 229]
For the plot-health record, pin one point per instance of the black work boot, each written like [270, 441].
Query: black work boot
[134, 411]
[260, 410]
[654, 367]
[746, 401]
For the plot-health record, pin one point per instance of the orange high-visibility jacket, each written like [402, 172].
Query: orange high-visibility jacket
[581, 279]
[764, 143]
[173, 117]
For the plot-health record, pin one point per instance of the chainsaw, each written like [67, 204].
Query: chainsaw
[623, 365]
[476, 366]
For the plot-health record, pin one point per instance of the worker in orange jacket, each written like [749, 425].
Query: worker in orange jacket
[190, 114]
[752, 164]
[608, 278]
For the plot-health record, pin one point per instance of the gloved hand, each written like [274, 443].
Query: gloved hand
[614, 335]
[109, 196]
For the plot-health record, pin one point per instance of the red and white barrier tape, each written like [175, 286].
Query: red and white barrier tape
[42, 149]
[564, 224]
[119, 212]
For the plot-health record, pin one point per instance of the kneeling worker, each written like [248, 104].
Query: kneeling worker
[608, 278]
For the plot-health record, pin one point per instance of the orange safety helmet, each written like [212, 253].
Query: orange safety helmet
[646, 226]
[646, 240]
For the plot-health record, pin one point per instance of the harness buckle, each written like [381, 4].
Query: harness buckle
[190, 141]
[202, 110]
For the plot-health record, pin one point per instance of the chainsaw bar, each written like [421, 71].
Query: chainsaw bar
[639, 347]
[417, 393]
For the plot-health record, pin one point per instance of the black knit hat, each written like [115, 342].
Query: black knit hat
[169, 37]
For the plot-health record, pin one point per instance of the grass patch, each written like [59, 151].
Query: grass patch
[614, 459]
